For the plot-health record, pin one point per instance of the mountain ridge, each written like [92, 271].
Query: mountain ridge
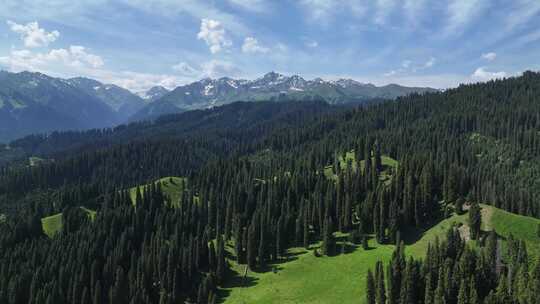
[32, 102]
[209, 92]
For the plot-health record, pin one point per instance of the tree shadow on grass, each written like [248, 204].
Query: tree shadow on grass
[410, 235]
[234, 280]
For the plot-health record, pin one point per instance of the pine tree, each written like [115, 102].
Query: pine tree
[458, 205]
[370, 288]
[463, 295]
[221, 267]
[475, 221]
[328, 242]
[120, 292]
[439, 297]
[365, 243]
[429, 295]
[380, 290]
[305, 228]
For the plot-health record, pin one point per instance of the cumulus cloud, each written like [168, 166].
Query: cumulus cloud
[406, 64]
[75, 56]
[252, 45]
[32, 35]
[489, 56]
[219, 68]
[482, 74]
[213, 33]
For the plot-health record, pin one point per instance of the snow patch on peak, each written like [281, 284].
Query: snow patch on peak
[208, 89]
[296, 89]
[232, 83]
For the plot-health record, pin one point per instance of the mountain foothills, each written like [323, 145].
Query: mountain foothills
[272, 202]
[272, 86]
[36, 103]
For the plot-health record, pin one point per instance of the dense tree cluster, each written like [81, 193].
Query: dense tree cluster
[455, 273]
[265, 177]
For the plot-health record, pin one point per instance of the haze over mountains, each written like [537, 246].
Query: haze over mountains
[37, 103]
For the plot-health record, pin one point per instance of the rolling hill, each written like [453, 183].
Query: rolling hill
[304, 278]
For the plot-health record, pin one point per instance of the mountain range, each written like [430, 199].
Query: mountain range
[37, 103]
[208, 93]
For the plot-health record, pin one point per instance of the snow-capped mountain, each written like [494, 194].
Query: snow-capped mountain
[272, 86]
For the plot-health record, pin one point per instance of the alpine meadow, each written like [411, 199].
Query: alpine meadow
[151, 154]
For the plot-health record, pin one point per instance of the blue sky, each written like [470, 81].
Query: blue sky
[141, 43]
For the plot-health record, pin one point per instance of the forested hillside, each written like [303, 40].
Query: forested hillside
[263, 178]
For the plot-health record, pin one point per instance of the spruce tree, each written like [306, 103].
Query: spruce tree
[475, 221]
[370, 288]
[328, 242]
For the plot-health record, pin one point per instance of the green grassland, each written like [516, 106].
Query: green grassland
[171, 186]
[53, 224]
[305, 278]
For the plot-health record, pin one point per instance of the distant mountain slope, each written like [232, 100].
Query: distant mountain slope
[34, 102]
[121, 101]
[272, 86]
[212, 124]
[153, 94]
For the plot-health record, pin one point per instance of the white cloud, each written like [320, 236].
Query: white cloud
[391, 73]
[406, 64]
[527, 39]
[186, 69]
[461, 13]
[213, 33]
[414, 10]
[195, 8]
[312, 43]
[250, 5]
[251, 45]
[482, 74]
[384, 9]
[325, 10]
[32, 35]
[77, 61]
[522, 12]
[73, 57]
[489, 56]
[138, 82]
[430, 63]
[219, 68]
[282, 47]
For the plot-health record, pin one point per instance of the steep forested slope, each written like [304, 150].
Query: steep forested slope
[263, 185]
